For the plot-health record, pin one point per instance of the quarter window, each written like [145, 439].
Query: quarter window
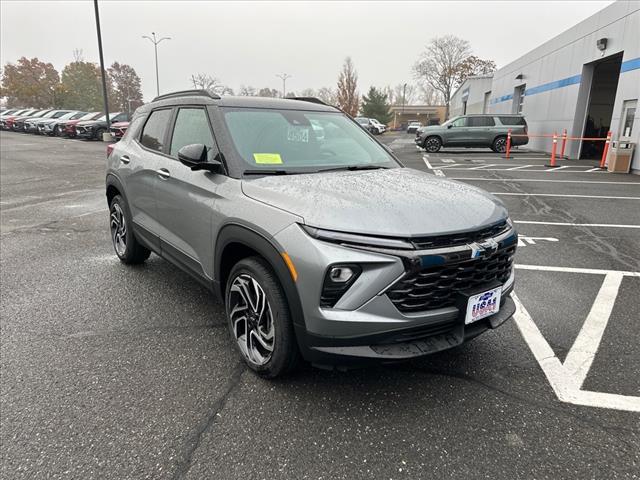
[192, 126]
[154, 130]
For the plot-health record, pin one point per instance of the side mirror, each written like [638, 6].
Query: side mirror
[195, 155]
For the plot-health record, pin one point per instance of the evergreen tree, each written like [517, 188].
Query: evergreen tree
[375, 105]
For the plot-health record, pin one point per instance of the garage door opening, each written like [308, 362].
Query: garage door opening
[604, 85]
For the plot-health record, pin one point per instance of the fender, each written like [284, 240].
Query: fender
[235, 233]
[113, 181]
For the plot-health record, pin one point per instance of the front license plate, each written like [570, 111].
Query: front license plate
[482, 305]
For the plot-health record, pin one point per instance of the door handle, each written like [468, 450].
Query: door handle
[124, 159]
[163, 173]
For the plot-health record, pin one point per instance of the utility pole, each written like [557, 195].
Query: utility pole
[155, 42]
[284, 77]
[102, 72]
[404, 96]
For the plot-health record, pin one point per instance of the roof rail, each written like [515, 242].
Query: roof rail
[308, 99]
[187, 93]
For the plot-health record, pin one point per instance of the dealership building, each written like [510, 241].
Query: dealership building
[586, 80]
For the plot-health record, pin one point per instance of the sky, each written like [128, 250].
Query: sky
[249, 43]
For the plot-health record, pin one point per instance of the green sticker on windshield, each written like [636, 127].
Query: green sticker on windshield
[267, 158]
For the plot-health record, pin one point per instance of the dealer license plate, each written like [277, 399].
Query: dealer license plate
[482, 305]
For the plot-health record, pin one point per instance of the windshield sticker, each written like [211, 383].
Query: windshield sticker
[267, 158]
[298, 134]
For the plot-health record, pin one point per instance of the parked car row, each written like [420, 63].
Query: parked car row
[371, 125]
[64, 123]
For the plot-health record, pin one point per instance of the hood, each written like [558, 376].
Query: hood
[394, 202]
[91, 123]
[120, 124]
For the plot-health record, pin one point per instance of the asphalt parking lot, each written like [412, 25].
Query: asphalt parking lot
[117, 372]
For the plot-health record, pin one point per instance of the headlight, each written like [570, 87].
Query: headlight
[357, 239]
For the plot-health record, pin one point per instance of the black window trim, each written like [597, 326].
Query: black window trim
[172, 126]
[138, 138]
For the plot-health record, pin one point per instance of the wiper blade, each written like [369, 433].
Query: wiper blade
[354, 167]
[265, 171]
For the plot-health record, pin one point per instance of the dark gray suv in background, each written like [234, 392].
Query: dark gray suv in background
[318, 241]
[474, 131]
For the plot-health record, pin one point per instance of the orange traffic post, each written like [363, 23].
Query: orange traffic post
[564, 142]
[605, 150]
[508, 144]
[553, 150]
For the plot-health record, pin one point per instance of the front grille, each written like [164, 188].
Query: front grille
[464, 238]
[437, 287]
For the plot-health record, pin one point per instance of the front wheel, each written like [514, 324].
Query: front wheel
[432, 144]
[99, 134]
[259, 319]
[499, 145]
[124, 241]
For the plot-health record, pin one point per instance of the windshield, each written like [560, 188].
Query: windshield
[290, 141]
[450, 121]
[79, 116]
[103, 118]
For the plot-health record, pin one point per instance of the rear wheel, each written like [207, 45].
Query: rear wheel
[259, 319]
[124, 241]
[499, 145]
[99, 133]
[432, 144]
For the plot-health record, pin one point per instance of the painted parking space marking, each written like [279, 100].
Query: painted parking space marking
[481, 167]
[545, 180]
[523, 168]
[426, 162]
[439, 173]
[567, 378]
[518, 194]
[567, 224]
[523, 240]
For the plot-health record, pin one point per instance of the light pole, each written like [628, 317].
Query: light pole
[284, 77]
[155, 42]
[104, 76]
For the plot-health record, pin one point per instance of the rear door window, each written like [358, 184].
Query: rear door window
[153, 133]
[192, 126]
[480, 122]
[512, 120]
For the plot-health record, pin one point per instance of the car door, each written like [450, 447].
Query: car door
[456, 132]
[479, 131]
[138, 168]
[185, 198]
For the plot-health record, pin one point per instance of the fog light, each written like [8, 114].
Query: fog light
[337, 281]
[341, 274]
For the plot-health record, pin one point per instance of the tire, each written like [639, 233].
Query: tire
[432, 144]
[125, 244]
[55, 132]
[270, 349]
[499, 145]
[99, 133]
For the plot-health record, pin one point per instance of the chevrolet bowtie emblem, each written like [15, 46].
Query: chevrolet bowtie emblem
[484, 249]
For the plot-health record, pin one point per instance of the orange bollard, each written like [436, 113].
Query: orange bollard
[506, 155]
[605, 150]
[553, 150]
[564, 142]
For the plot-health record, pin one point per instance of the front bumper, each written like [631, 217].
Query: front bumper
[365, 324]
[85, 133]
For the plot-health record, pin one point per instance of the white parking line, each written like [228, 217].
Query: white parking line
[439, 173]
[563, 195]
[594, 169]
[594, 271]
[555, 169]
[481, 167]
[483, 179]
[426, 162]
[529, 168]
[518, 168]
[567, 224]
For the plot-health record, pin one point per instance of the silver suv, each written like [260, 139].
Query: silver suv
[320, 244]
[474, 131]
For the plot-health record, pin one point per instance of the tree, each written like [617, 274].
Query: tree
[268, 92]
[473, 65]
[205, 81]
[126, 94]
[375, 105]
[402, 94]
[428, 95]
[247, 91]
[30, 82]
[308, 92]
[82, 86]
[347, 96]
[327, 95]
[439, 65]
